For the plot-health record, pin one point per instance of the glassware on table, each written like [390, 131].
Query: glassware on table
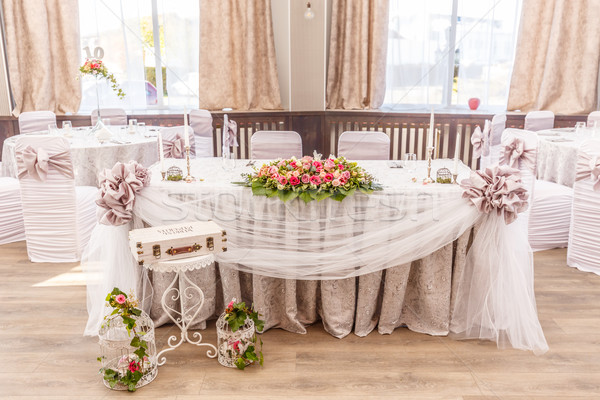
[579, 127]
[229, 162]
[52, 129]
[141, 128]
[67, 128]
[132, 126]
[410, 162]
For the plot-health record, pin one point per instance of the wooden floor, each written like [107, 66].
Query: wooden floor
[43, 354]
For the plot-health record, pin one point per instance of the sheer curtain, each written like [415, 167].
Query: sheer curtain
[114, 25]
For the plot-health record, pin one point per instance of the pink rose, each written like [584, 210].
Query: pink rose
[307, 159]
[236, 346]
[120, 299]
[329, 164]
[296, 173]
[336, 174]
[281, 163]
[317, 164]
[346, 175]
[272, 170]
[336, 182]
[328, 177]
[343, 180]
[315, 180]
[133, 366]
[230, 305]
[282, 180]
[305, 178]
[293, 164]
[294, 181]
[322, 175]
[306, 166]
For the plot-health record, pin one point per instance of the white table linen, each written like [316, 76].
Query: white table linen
[91, 156]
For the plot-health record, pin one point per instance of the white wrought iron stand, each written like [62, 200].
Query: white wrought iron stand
[186, 316]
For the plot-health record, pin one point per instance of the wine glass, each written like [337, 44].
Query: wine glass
[52, 129]
[141, 128]
[67, 128]
[410, 162]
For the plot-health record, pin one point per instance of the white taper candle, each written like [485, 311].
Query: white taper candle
[185, 131]
[457, 153]
[431, 125]
[161, 152]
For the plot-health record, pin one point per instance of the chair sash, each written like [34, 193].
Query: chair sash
[515, 151]
[481, 140]
[36, 162]
[229, 133]
[268, 145]
[174, 142]
[360, 145]
[588, 166]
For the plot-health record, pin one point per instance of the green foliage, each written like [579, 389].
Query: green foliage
[236, 315]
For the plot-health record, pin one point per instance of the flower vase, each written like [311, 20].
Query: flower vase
[99, 124]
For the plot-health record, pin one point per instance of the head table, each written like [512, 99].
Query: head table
[90, 156]
[409, 255]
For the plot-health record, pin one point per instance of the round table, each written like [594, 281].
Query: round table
[90, 156]
[557, 153]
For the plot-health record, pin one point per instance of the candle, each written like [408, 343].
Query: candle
[161, 152]
[430, 136]
[457, 153]
[185, 124]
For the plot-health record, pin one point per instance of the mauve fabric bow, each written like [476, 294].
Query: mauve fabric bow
[118, 187]
[36, 163]
[588, 166]
[514, 151]
[497, 188]
[480, 140]
[230, 134]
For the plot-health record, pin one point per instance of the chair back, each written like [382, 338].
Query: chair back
[174, 142]
[494, 141]
[364, 145]
[48, 199]
[201, 122]
[117, 116]
[593, 119]
[583, 252]
[267, 145]
[539, 120]
[35, 121]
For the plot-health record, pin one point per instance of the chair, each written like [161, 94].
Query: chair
[268, 145]
[584, 252]
[11, 212]
[201, 122]
[58, 216]
[593, 119]
[539, 120]
[35, 121]
[174, 142]
[364, 145]
[549, 215]
[117, 116]
[493, 142]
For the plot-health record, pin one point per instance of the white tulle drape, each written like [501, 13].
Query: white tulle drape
[330, 240]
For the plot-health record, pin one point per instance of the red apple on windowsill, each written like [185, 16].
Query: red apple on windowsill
[474, 103]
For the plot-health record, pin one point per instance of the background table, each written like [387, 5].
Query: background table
[90, 156]
[557, 154]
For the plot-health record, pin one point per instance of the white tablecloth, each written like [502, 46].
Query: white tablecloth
[557, 153]
[90, 156]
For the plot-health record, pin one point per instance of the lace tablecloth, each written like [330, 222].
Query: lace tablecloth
[417, 294]
[557, 154]
[90, 156]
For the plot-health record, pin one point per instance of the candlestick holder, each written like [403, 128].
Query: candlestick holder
[189, 178]
[429, 155]
[164, 174]
[454, 177]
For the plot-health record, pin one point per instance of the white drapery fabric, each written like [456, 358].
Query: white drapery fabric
[363, 234]
[364, 145]
[275, 144]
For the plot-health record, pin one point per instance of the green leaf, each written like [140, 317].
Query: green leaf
[286, 195]
[135, 342]
[313, 193]
[262, 360]
[271, 192]
[136, 311]
[365, 190]
[141, 352]
[258, 189]
[305, 196]
[240, 363]
[323, 195]
[339, 196]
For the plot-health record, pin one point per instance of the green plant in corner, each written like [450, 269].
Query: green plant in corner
[236, 315]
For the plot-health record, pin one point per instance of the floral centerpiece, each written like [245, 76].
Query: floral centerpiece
[236, 329]
[96, 68]
[126, 363]
[310, 178]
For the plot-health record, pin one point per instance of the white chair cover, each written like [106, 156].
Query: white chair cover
[35, 121]
[364, 145]
[492, 155]
[201, 122]
[173, 142]
[267, 145]
[58, 217]
[117, 116]
[584, 252]
[539, 120]
[593, 118]
[527, 164]
[11, 212]
[550, 216]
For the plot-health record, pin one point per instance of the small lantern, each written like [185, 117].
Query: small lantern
[174, 174]
[119, 355]
[231, 344]
[444, 175]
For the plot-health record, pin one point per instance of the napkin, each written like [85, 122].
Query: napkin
[103, 133]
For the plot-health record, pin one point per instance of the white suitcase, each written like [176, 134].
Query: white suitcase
[172, 242]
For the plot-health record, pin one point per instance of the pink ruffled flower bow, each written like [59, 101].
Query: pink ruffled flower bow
[588, 166]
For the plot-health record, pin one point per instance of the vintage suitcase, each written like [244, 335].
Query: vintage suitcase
[171, 242]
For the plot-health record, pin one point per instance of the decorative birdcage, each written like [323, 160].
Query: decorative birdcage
[120, 349]
[174, 174]
[231, 344]
[444, 176]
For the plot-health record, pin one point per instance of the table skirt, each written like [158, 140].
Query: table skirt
[418, 295]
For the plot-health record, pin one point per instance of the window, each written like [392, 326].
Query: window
[441, 53]
[151, 46]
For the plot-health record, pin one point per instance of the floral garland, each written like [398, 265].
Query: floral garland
[96, 68]
[310, 178]
[236, 315]
[132, 367]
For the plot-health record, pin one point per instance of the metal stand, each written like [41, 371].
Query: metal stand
[189, 178]
[429, 156]
[454, 176]
[187, 314]
[164, 174]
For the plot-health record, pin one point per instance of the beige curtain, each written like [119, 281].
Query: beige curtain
[558, 57]
[237, 56]
[357, 54]
[43, 53]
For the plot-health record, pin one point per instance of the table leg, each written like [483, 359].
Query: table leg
[184, 317]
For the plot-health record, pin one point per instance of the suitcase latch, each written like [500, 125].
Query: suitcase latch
[210, 243]
[156, 250]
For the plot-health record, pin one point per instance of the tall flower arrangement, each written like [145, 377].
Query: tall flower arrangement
[97, 69]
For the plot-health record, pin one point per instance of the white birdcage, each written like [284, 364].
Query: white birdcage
[231, 344]
[118, 354]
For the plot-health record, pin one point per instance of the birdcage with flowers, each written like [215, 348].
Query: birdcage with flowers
[127, 345]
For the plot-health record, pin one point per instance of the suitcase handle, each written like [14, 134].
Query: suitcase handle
[182, 250]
